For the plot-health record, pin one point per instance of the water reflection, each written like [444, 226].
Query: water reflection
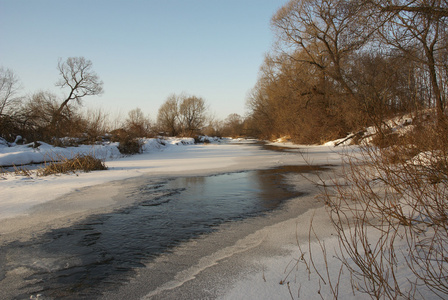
[277, 148]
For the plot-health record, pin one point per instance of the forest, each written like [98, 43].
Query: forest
[339, 66]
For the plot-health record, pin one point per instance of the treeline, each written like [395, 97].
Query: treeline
[338, 66]
[341, 65]
[44, 116]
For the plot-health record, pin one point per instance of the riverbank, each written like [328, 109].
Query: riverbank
[33, 206]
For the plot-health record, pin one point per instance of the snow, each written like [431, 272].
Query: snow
[428, 158]
[400, 125]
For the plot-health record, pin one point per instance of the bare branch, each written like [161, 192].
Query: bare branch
[81, 80]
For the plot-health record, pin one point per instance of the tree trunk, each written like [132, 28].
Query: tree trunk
[435, 85]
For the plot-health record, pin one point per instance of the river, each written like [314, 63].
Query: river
[171, 225]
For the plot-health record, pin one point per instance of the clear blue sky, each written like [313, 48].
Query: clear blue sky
[142, 50]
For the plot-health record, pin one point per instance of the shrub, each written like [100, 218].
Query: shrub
[85, 163]
[391, 218]
[128, 145]
[198, 139]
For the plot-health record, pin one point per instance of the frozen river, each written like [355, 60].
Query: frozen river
[103, 252]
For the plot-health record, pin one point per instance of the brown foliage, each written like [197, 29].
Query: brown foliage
[294, 99]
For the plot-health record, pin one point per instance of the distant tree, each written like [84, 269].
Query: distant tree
[137, 124]
[213, 127]
[80, 81]
[168, 116]
[97, 123]
[9, 86]
[192, 112]
[234, 125]
[9, 102]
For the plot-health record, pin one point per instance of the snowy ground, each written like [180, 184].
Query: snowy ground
[247, 265]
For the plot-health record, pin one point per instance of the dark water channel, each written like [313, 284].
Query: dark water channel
[100, 252]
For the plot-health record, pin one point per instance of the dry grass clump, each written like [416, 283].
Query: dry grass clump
[16, 170]
[22, 171]
[85, 163]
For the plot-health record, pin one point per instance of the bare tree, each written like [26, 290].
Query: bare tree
[168, 116]
[327, 31]
[137, 123]
[192, 111]
[9, 86]
[38, 114]
[234, 125]
[80, 80]
[214, 127]
[97, 123]
[40, 108]
[419, 29]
